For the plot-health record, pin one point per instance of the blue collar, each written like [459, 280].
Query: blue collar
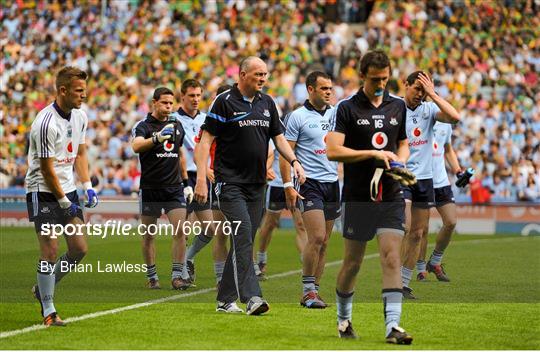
[309, 106]
[66, 116]
[182, 112]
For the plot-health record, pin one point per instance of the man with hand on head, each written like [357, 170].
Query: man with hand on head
[421, 117]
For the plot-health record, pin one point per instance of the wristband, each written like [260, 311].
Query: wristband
[87, 185]
[154, 139]
[295, 160]
[64, 201]
[287, 185]
[185, 183]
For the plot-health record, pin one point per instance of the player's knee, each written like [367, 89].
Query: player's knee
[450, 225]
[351, 268]
[317, 242]
[273, 222]
[415, 235]
[391, 261]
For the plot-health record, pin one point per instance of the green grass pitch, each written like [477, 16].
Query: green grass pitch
[493, 301]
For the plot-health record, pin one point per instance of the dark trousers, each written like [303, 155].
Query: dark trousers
[244, 203]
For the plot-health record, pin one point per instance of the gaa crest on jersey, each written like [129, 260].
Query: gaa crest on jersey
[379, 140]
[168, 146]
[69, 132]
[393, 121]
[362, 122]
[266, 113]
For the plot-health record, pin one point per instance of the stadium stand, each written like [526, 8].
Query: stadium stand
[484, 58]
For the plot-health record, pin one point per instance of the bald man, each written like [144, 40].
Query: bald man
[242, 121]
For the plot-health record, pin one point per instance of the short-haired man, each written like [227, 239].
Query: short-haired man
[242, 121]
[368, 136]
[163, 186]
[305, 130]
[421, 116]
[192, 118]
[57, 144]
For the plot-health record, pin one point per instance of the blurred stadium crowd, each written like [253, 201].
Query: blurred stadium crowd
[484, 57]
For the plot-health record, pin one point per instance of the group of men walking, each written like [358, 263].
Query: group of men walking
[215, 166]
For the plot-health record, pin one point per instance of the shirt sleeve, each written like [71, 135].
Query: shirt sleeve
[44, 134]
[292, 128]
[216, 117]
[339, 119]
[434, 110]
[138, 130]
[82, 140]
[271, 145]
[275, 122]
[182, 134]
[448, 135]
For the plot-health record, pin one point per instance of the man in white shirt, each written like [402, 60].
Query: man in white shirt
[57, 144]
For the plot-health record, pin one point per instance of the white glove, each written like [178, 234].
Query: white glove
[165, 133]
[188, 194]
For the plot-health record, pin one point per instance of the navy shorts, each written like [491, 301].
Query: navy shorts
[444, 195]
[363, 220]
[275, 199]
[195, 206]
[43, 208]
[154, 202]
[421, 194]
[320, 195]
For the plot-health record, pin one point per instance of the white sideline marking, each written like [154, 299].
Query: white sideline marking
[206, 290]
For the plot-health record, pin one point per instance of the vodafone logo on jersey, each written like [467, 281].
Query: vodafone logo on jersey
[70, 147]
[379, 140]
[436, 151]
[321, 151]
[417, 133]
[168, 146]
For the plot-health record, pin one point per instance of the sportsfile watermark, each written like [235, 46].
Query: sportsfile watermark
[119, 228]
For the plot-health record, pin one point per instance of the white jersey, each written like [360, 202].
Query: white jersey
[442, 135]
[192, 127]
[419, 127]
[54, 135]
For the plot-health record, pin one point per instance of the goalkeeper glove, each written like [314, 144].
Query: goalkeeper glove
[165, 133]
[399, 173]
[91, 195]
[463, 178]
